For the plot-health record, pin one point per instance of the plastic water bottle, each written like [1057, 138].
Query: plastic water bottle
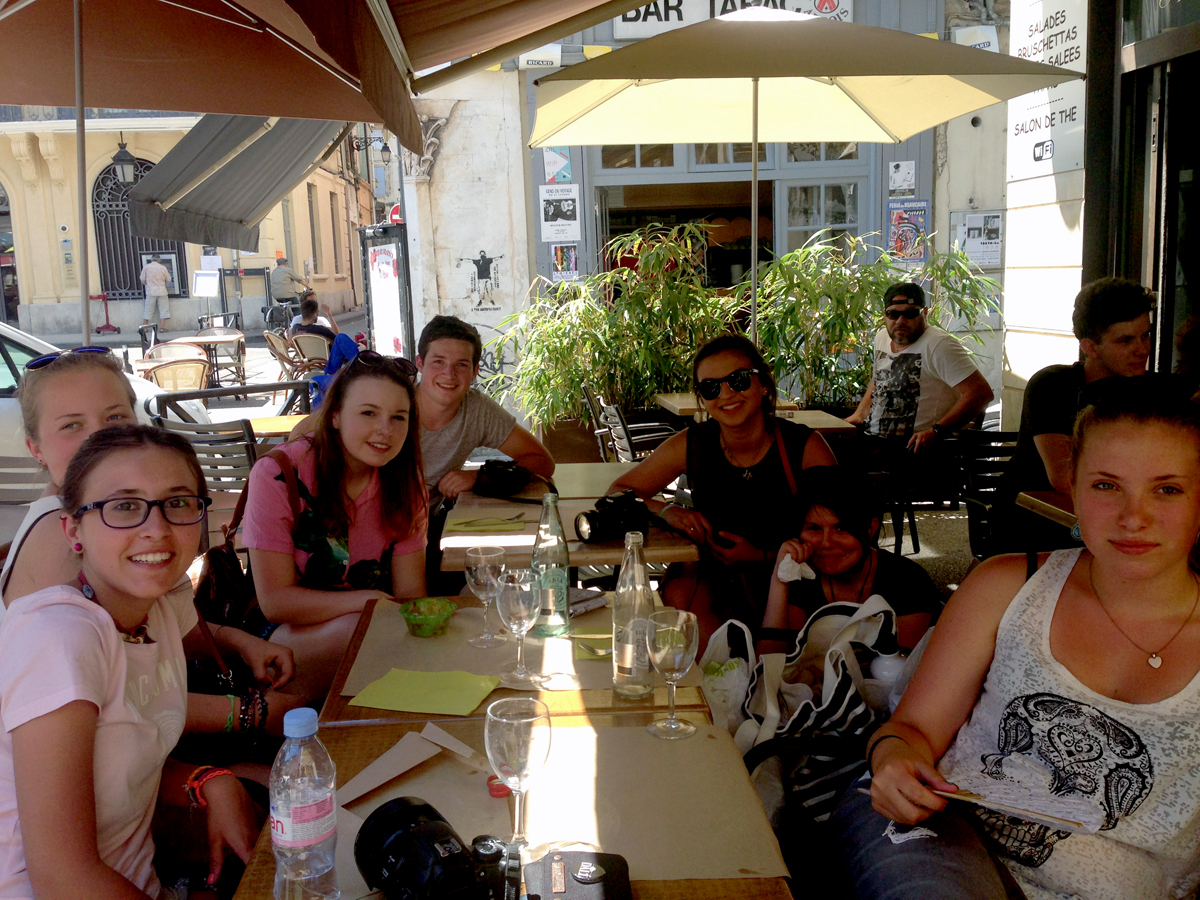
[550, 563]
[632, 678]
[304, 812]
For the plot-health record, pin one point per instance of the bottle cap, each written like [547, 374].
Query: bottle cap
[300, 723]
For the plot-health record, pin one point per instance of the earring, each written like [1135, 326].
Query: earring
[1076, 533]
[78, 547]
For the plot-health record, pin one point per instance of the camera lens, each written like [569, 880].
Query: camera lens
[583, 526]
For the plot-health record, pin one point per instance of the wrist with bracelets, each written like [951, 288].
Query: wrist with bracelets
[198, 779]
[875, 744]
[253, 713]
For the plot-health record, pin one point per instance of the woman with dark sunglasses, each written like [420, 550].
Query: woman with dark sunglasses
[744, 469]
[360, 534]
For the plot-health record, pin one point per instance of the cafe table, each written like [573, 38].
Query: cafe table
[381, 642]
[212, 343]
[685, 404]
[684, 814]
[275, 426]
[573, 481]
[662, 545]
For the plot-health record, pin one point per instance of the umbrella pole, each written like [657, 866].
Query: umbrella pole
[754, 215]
[81, 175]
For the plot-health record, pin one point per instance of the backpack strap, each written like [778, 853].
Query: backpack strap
[289, 479]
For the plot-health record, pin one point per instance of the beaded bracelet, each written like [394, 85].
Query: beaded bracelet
[195, 783]
[233, 699]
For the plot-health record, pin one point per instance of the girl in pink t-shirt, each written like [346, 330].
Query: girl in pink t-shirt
[93, 685]
[360, 534]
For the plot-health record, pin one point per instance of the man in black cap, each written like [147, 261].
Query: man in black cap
[924, 383]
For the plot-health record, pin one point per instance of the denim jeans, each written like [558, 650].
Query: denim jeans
[951, 864]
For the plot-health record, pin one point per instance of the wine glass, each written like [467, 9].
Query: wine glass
[517, 737]
[484, 567]
[518, 604]
[672, 637]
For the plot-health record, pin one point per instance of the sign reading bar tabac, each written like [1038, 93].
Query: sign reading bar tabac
[1045, 128]
[658, 16]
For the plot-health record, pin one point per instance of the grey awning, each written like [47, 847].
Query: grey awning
[225, 175]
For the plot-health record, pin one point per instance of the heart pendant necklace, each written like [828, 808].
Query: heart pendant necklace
[1155, 660]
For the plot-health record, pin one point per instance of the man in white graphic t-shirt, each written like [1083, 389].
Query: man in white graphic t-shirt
[924, 384]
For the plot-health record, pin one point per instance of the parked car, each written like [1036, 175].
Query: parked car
[18, 348]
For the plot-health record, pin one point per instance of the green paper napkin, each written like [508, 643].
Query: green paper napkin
[486, 525]
[442, 693]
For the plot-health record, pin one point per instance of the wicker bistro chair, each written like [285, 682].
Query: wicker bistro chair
[178, 350]
[228, 357]
[181, 375]
[291, 366]
[312, 348]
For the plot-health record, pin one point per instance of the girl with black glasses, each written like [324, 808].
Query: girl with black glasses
[744, 469]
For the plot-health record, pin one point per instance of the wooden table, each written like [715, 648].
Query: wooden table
[684, 404]
[275, 426]
[1054, 505]
[662, 546]
[338, 711]
[353, 749]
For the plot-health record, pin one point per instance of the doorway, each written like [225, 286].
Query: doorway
[8, 263]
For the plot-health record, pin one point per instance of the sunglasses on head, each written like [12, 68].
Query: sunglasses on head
[41, 362]
[895, 314]
[738, 380]
[372, 359]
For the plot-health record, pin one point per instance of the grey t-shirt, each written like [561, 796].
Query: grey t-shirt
[480, 422]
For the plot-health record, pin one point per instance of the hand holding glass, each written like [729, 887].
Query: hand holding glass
[672, 637]
[484, 567]
[518, 604]
[516, 735]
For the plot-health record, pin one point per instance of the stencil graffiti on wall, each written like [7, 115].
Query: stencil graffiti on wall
[489, 363]
[485, 278]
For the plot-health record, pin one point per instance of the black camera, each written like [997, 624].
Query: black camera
[407, 849]
[614, 517]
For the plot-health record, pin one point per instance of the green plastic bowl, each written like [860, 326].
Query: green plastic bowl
[427, 616]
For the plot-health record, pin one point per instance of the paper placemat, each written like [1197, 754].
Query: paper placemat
[388, 645]
[674, 809]
[440, 693]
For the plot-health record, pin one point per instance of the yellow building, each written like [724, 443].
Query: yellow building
[315, 227]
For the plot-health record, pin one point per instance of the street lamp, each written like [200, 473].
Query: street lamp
[126, 164]
[385, 152]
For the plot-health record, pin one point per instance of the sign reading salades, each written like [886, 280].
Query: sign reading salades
[1045, 128]
[658, 16]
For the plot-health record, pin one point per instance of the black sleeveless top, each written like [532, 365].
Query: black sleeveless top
[756, 503]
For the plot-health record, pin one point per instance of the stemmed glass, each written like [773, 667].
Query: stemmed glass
[518, 605]
[672, 637]
[517, 737]
[484, 567]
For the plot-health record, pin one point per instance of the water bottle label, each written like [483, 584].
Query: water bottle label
[305, 825]
[624, 658]
[640, 628]
[554, 584]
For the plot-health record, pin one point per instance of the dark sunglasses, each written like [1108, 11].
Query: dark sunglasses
[130, 512]
[738, 380]
[372, 359]
[910, 314]
[41, 362]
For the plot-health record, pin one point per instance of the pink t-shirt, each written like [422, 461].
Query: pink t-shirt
[359, 561]
[56, 647]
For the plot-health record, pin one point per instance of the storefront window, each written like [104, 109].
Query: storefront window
[813, 151]
[812, 207]
[728, 154]
[1145, 19]
[641, 156]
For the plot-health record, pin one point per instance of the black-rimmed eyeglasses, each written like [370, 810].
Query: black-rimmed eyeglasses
[130, 512]
[738, 380]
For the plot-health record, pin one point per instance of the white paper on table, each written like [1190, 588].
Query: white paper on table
[411, 750]
[438, 736]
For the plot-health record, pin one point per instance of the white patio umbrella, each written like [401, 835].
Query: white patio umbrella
[763, 74]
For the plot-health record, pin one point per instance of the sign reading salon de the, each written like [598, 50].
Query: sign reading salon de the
[658, 16]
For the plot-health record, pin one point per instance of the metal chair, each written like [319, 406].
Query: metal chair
[627, 444]
[181, 375]
[312, 347]
[227, 452]
[227, 357]
[985, 457]
[22, 479]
